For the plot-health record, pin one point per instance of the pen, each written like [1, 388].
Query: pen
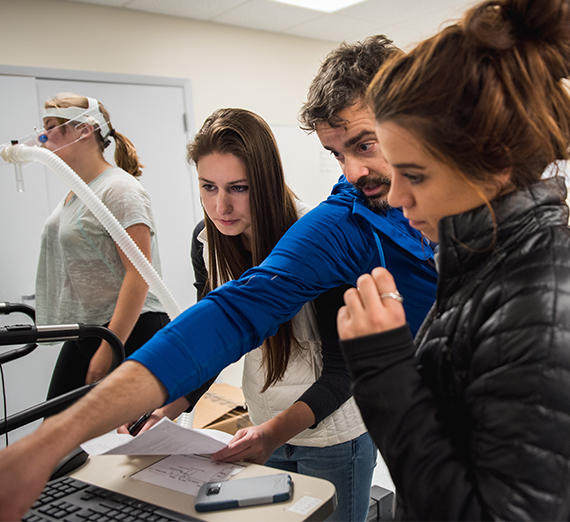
[135, 428]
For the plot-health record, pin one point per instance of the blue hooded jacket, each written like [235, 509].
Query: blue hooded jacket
[332, 245]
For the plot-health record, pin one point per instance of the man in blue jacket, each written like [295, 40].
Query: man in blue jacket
[349, 234]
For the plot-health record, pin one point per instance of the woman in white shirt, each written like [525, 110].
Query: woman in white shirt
[82, 275]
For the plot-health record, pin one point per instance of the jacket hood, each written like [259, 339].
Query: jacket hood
[391, 222]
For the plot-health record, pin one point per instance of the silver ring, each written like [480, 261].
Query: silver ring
[393, 295]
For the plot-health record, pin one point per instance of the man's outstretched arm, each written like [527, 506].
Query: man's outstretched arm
[26, 465]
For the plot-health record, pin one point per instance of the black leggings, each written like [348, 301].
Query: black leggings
[73, 362]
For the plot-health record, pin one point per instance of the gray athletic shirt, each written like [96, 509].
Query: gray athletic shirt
[79, 270]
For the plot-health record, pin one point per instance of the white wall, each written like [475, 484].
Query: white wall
[229, 66]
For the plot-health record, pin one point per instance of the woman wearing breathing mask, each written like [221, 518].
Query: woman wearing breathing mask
[82, 274]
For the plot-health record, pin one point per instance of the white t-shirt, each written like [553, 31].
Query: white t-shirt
[79, 270]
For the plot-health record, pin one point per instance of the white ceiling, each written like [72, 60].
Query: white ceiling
[404, 21]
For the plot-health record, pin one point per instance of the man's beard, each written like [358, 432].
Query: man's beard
[377, 203]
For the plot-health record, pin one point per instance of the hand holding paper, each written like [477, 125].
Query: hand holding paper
[165, 438]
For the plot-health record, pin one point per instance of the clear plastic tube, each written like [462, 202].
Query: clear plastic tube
[19, 177]
[22, 154]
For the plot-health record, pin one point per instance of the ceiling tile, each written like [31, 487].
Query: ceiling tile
[404, 21]
[419, 26]
[451, 13]
[267, 15]
[334, 27]
[111, 3]
[394, 11]
[199, 9]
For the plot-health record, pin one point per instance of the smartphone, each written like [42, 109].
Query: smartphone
[229, 494]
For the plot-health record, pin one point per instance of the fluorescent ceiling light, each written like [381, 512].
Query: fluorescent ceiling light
[328, 6]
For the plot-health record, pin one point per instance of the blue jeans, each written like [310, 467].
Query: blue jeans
[349, 466]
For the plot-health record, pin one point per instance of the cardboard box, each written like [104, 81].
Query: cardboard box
[222, 408]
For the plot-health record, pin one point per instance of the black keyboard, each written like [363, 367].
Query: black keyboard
[70, 500]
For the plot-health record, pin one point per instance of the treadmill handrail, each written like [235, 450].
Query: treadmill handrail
[18, 334]
[8, 308]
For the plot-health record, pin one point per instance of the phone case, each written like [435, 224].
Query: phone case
[230, 494]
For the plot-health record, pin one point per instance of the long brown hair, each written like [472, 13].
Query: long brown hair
[248, 137]
[486, 95]
[126, 156]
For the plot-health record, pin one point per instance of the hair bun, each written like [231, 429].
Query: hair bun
[489, 26]
[505, 24]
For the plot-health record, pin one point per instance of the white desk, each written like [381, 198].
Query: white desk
[113, 472]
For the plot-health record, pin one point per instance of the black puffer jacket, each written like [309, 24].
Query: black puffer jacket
[482, 430]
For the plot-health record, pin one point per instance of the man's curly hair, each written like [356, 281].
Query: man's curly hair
[343, 79]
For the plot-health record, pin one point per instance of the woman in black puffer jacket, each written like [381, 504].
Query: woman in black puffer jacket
[475, 424]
